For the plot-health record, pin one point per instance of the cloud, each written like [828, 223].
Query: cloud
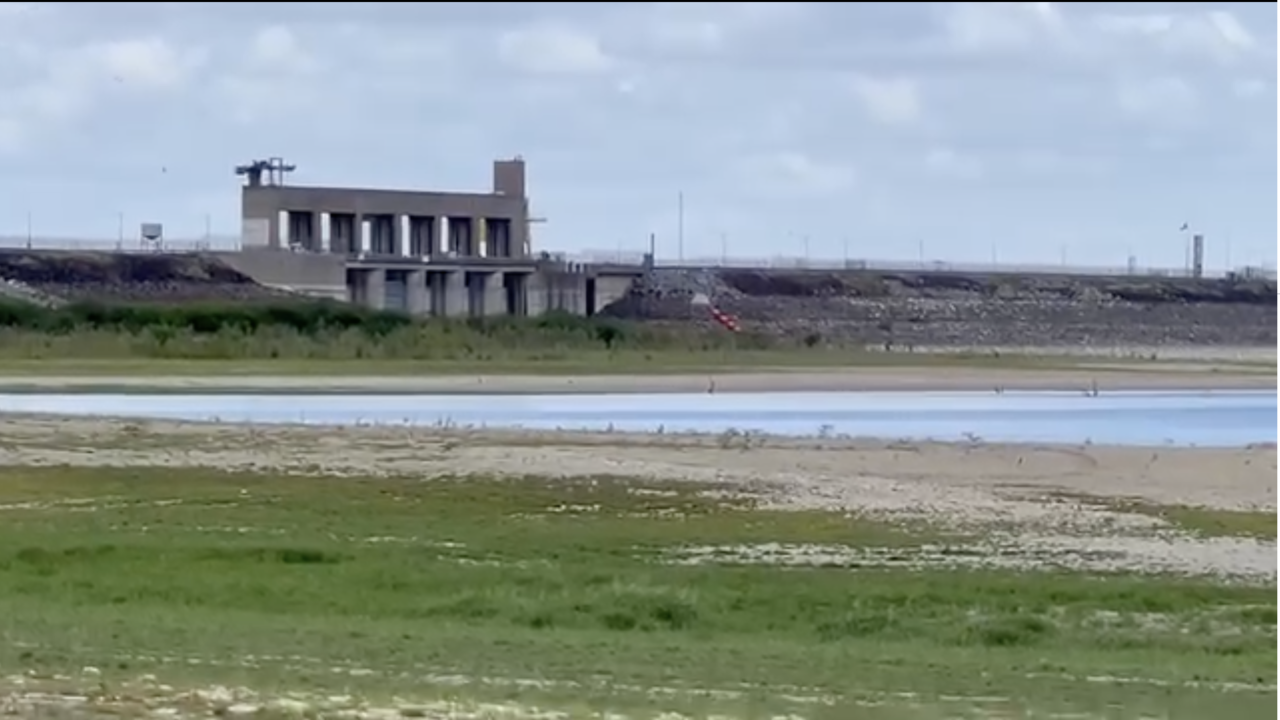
[892, 121]
[1249, 88]
[1218, 35]
[275, 78]
[552, 49]
[945, 162]
[60, 84]
[1156, 97]
[147, 64]
[1045, 29]
[792, 173]
[1002, 26]
[893, 100]
[10, 136]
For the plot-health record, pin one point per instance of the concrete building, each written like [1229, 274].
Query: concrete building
[452, 254]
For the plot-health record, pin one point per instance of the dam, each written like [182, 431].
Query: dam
[427, 253]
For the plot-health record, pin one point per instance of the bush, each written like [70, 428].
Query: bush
[334, 331]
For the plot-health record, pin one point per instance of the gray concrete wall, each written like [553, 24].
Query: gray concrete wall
[317, 275]
[446, 290]
[549, 291]
[472, 217]
[610, 288]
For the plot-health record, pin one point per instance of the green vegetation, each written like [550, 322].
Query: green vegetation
[566, 595]
[322, 331]
[324, 337]
[1201, 521]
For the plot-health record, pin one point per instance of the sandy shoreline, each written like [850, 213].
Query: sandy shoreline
[1243, 478]
[861, 379]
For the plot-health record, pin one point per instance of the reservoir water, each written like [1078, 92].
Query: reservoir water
[1220, 419]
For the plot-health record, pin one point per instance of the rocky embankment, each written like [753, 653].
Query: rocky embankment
[52, 277]
[966, 310]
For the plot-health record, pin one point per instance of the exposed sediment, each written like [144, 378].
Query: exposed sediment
[966, 310]
[53, 277]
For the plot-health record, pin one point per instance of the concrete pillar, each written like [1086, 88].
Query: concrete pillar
[403, 230]
[417, 299]
[361, 239]
[535, 289]
[387, 234]
[455, 295]
[519, 294]
[481, 247]
[375, 289]
[324, 231]
[443, 244]
[495, 294]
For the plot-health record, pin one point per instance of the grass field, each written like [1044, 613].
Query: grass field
[266, 595]
[579, 363]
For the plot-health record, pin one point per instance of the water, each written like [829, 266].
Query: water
[1220, 419]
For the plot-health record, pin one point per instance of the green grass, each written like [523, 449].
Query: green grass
[336, 339]
[1200, 521]
[378, 586]
[1217, 523]
[581, 363]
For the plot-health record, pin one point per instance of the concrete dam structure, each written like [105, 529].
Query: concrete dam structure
[427, 253]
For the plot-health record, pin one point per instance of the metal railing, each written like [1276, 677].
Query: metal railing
[213, 243]
[231, 243]
[802, 263]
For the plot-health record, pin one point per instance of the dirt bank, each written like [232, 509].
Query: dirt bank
[948, 309]
[67, 276]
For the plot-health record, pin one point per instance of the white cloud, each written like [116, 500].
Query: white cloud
[277, 48]
[275, 77]
[701, 35]
[149, 64]
[715, 26]
[794, 174]
[1167, 97]
[58, 85]
[777, 117]
[946, 162]
[1217, 34]
[1054, 163]
[553, 49]
[893, 100]
[1002, 26]
[10, 136]
[1249, 88]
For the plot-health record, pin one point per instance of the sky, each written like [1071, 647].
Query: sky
[1022, 132]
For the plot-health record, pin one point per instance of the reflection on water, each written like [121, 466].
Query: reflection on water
[1133, 418]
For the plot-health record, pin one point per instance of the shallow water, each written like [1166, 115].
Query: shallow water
[1220, 419]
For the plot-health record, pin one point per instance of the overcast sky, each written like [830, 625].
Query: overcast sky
[1027, 130]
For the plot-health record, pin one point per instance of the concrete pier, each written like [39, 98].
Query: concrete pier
[417, 299]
